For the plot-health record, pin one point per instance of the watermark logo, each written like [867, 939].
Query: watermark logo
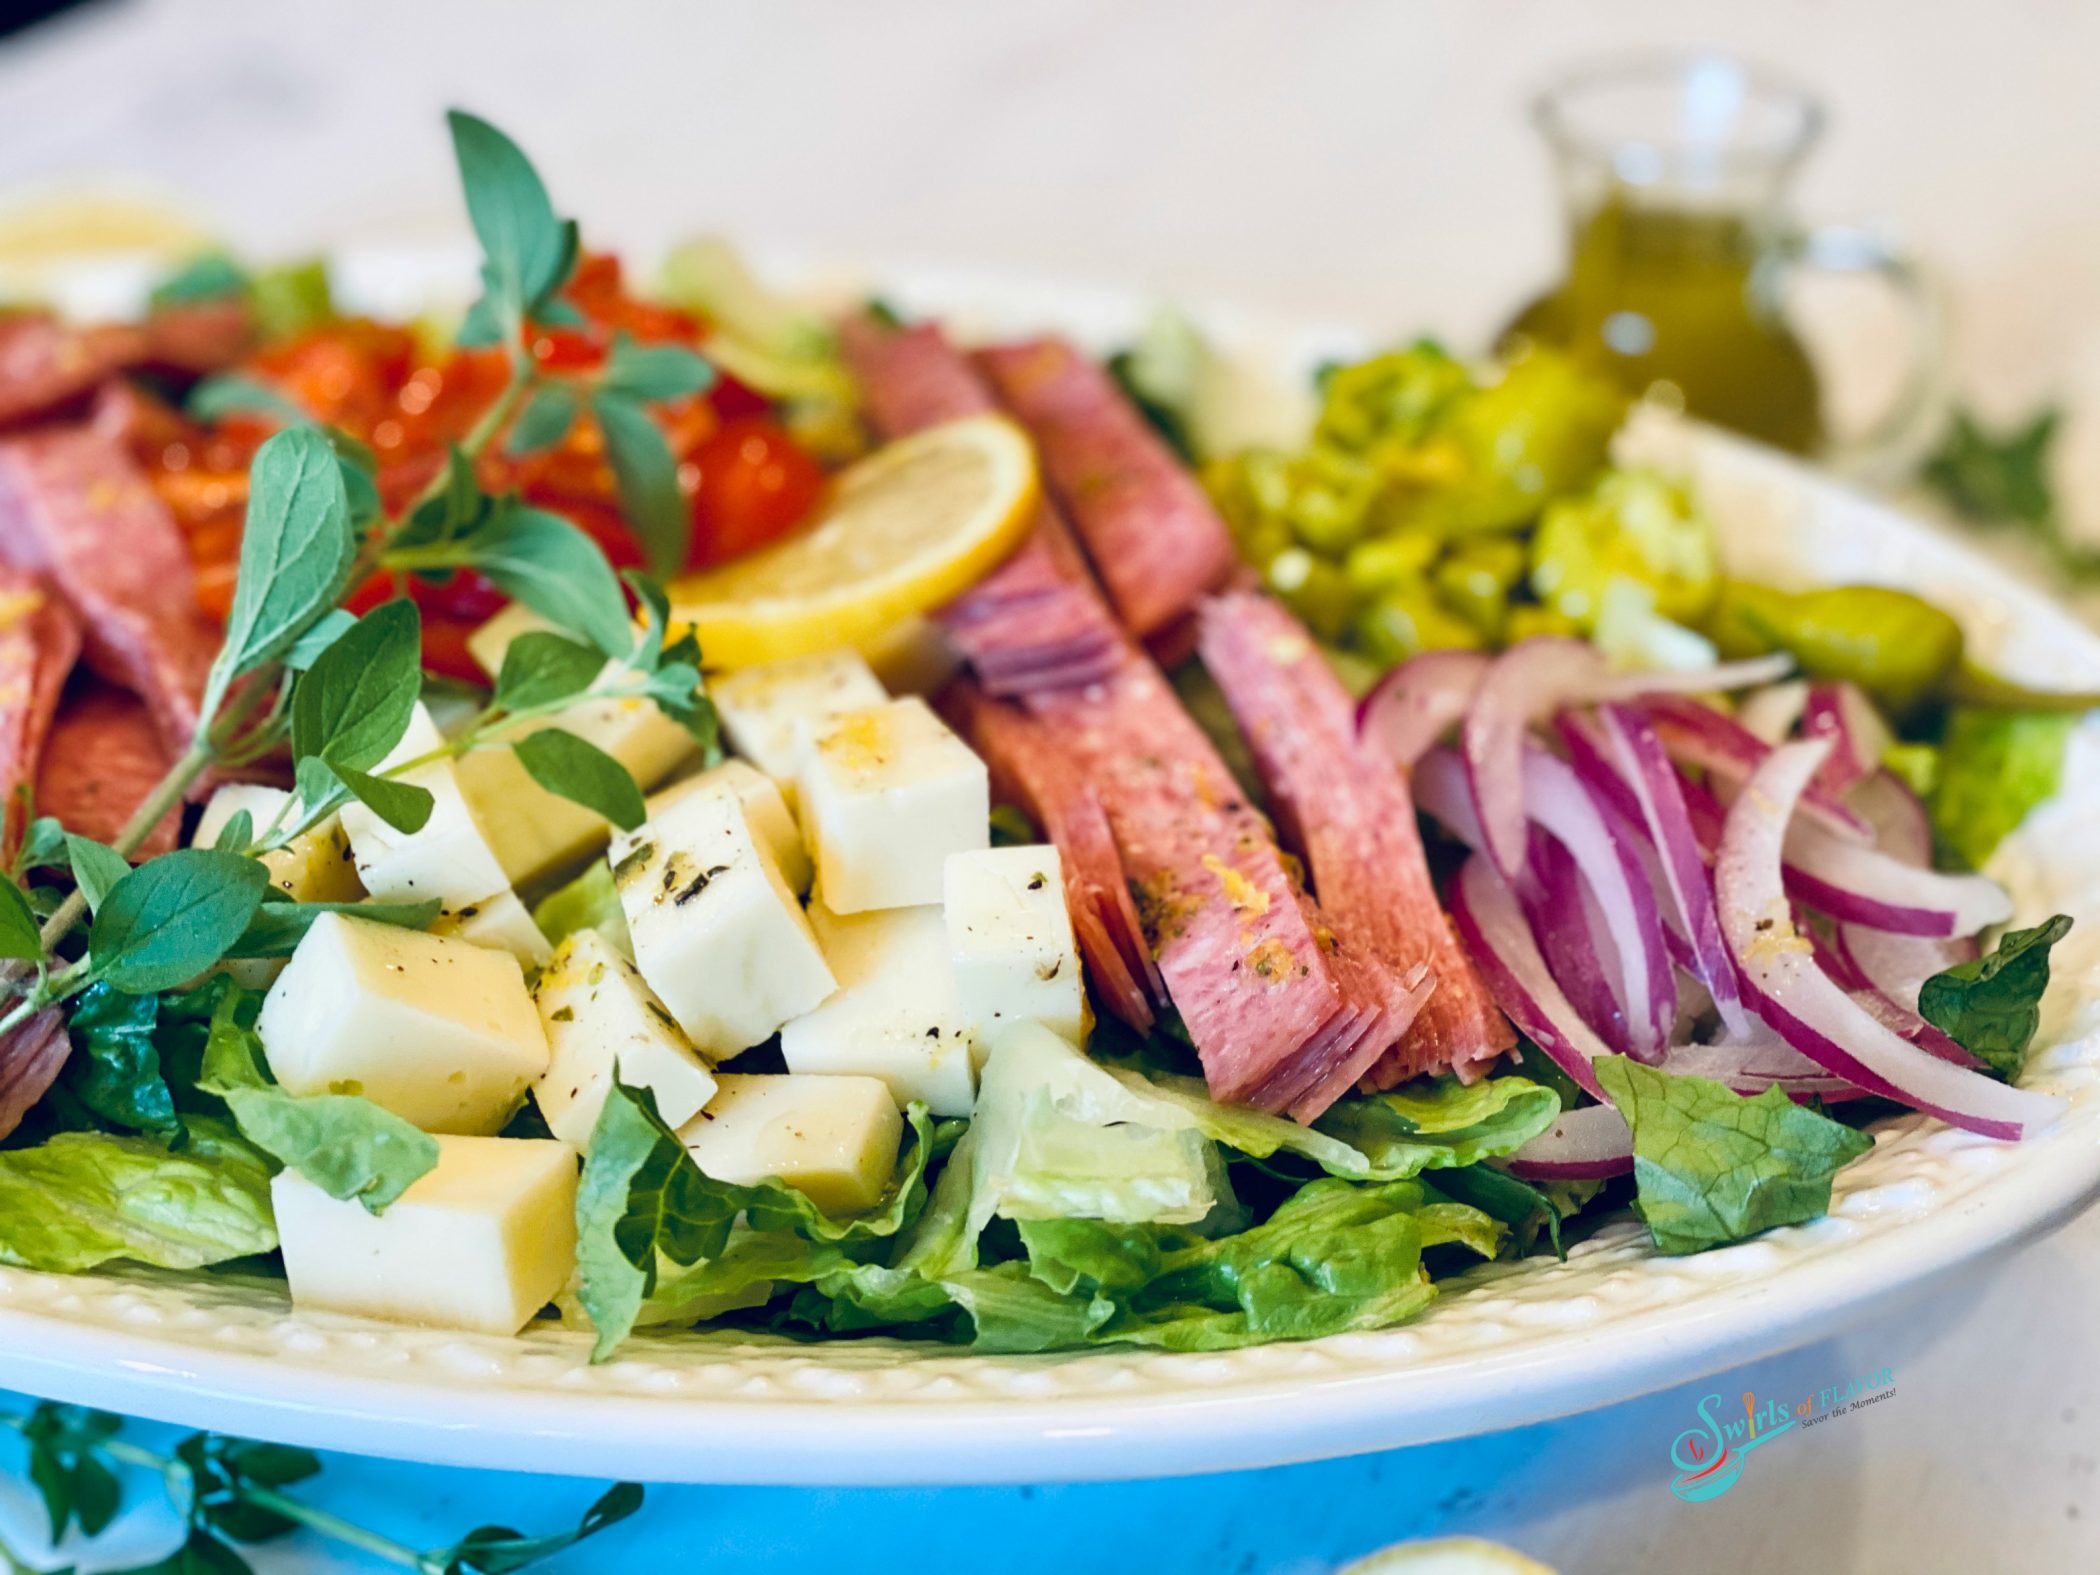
[1710, 1456]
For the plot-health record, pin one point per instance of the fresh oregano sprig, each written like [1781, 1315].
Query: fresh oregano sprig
[233, 1492]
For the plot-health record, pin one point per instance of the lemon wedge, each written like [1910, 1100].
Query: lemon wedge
[1447, 1556]
[913, 525]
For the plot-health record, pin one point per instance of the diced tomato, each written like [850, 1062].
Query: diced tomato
[445, 650]
[605, 525]
[467, 597]
[370, 593]
[756, 483]
[344, 374]
[733, 400]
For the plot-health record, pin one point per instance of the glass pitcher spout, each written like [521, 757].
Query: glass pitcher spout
[1675, 173]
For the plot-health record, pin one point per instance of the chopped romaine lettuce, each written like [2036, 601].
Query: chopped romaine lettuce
[1994, 767]
[1712, 1167]
[1991, 1007]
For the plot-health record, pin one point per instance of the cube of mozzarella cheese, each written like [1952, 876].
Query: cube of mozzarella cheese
[488, 642]
[440, 1032]
[315, 866]
[449, 858]
[834, 1139]
[603, 1021]
[887, 794]
[896, 1015]
[535, 833]
[764, 809]
[716, 931]
[1010, 942]
[482, 1242]
[763, 707]
[502, 923]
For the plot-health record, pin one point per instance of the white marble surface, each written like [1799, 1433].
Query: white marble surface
[1357, 161]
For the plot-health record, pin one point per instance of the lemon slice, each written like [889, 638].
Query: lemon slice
[1447, 1556]
[913, 525]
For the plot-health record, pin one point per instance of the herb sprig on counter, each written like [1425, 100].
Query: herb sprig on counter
[232, 1492]
[2003, 479]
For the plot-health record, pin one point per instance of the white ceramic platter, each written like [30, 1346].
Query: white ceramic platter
[1511, 1344]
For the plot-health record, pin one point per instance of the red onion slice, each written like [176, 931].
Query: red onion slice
[1859, 737]
[1523, 685]
[1575, 939]
[1690, 681]
[1658, 790]
[1418, 702]
[1773, 711]
[1555, 797]
[1902, 828]
[1863, 885]
[1588, 1144]
[1492, 926]
[1789, 991]
[1698, 735]
[1897, 966]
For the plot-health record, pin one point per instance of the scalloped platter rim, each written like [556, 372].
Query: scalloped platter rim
[1508, 1345]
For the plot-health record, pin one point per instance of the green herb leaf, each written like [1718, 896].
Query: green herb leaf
[209, 276]
[541, 669]
[545, 421]
[354, 704]
[1713, 1167]
[530, 251]
[647, 474]
[589, 902]
[226, 394]
[584, 774]
[222, 1472]
[18, 927]
[43, 845]
[652, 372]
[83, 1199]
[296, 547]
[115, 1069]
[235, 835]
[552, 567]
[96, 868]
[402, 805]
[1995, 767]
[325, 631]
[292, 299]
[67, 1469]
[1996, 478]
[173, 917]
[344, 1144]
[279, 927]
[498, 1550]
[1992, 1007]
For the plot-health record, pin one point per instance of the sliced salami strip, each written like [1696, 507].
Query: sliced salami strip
[1037, 622]
[102, 759]
[74, 508]
[32, 1053]
[1245, 957]
[1031, 769]
[49, 368]
[39, 642]
[1352, 819]
[1155, 541]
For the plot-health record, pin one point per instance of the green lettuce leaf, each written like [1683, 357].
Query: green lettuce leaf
[84, 1199]
[115, 1069]
[589, 902]
[344, 1144]
[654, 1234]
[1991, 1007]
[1711, 1167]
[1995, 767]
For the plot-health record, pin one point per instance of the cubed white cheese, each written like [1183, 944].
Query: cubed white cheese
[601, 1020]
[716, 931]
[449, 858]
[1010, 941]
[536, 833]
[834, 1139]
[896, 1015]
[482, 1242]
[488, 643]
[315, 866]
[501, 922]
[762, 707]
[913, 656]
[764, 809]
[887, 794]
[440, 1032]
